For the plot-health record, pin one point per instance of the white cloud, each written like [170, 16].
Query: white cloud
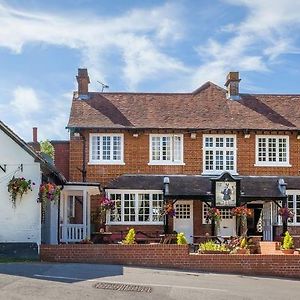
[269, 29]
[29, 108]
[138, 34]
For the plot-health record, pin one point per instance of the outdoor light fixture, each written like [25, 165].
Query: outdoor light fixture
[135, 135]
[193, 135]
[298, 135]
[76, 134]
[246, 135]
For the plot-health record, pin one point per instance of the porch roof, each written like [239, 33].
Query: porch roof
[199, 186]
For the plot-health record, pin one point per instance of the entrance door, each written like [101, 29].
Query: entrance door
[227, 223]
[267, 221]
[183, 220]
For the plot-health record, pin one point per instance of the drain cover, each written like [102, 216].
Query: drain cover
[123, 287]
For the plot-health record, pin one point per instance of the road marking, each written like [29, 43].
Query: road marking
[136, 283]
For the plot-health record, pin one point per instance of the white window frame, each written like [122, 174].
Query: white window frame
[101, 161]
[136, 192]
[294, 193]
[276, 163]
[171, 161]
[214, 149]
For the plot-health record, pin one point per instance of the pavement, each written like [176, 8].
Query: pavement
[79, 281]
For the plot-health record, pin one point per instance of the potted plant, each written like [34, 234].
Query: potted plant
[242, 247]
[169, 210]
[130, 237]
[181, 239]
[17, 187]
[286, 214]
[214, 215]
[287, 244]
[241, 212]
[48, 192]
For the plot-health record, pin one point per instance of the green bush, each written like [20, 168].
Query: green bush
[47, 148]
[288, 241]
[130, 237]
[212, 246]
[181, 240]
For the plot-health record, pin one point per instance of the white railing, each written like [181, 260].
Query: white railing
[71, 233]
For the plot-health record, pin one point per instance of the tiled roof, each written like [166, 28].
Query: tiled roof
[205, 108]
[197, 186]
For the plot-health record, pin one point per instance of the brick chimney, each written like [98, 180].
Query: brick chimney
[83, 82]
[232, 84]
[34, 134]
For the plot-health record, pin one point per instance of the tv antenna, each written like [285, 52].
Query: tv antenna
[104, 86]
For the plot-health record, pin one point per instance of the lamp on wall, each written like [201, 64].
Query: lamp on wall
[193, 135]
[246, 134]
[298, 135]
[135, 135]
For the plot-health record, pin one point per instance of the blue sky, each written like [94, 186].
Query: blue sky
[155, 46]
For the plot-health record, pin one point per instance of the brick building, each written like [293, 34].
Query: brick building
[189, 149]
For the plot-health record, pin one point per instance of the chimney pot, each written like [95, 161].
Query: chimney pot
[232, 84]
[83, 81]
[34, 134]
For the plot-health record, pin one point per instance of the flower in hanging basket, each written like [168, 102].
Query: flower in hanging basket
[241, 211]
[213, 214]
[286, 213]
[169, 210]
[106, 204]
[18, 186]
[49, 192]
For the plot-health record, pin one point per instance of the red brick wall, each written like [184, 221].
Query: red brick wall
[137, 158]
[61, 159]
[174, 256]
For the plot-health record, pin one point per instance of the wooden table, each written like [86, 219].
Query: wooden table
[101, 237]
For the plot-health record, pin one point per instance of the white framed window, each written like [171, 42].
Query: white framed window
[166, 149]
[293, 203]
[272, 150]
[219, 153]
[136, 207]
[106, 148]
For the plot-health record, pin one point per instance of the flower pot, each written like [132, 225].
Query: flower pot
[288, 251]
[241, 251]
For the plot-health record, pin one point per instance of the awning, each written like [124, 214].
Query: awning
[200, 187]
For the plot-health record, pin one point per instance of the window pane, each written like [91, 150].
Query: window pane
[116, 148]
[177, 148]
[262, 149]
[106, 147]
[272, 149]
[129, 207]
[229, 142]
[209, 160]
[209, 142]
[95, 147]
[166, 148]
[115, 215]
[219, 142]
[229, 161]
[157, 207]
[282, 150]
[143, 208]
[156, 148]
[219, 160]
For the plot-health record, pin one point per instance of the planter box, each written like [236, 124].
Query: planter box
[213, 252]
[287, 251]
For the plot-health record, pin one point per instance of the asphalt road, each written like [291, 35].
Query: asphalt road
[79, 281]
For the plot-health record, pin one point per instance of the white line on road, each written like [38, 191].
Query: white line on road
[134, 283]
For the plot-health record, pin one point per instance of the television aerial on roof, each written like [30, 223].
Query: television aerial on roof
[104, 86]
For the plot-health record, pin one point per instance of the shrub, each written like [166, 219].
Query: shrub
[288, 241]
[212, 246]
[130, 237]
[47, 148]
[181, 240]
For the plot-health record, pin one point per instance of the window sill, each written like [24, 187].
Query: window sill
[275, 165]
[205, 173]
[106, 163]
[166, 164]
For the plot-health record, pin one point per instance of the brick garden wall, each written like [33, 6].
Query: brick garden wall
[174, 256]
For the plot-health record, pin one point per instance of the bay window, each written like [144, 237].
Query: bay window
[136, 207]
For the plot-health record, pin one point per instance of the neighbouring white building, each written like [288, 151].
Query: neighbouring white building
[21, 223]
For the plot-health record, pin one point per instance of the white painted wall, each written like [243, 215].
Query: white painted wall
[23, 223]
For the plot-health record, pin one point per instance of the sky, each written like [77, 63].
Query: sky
[138, 46]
